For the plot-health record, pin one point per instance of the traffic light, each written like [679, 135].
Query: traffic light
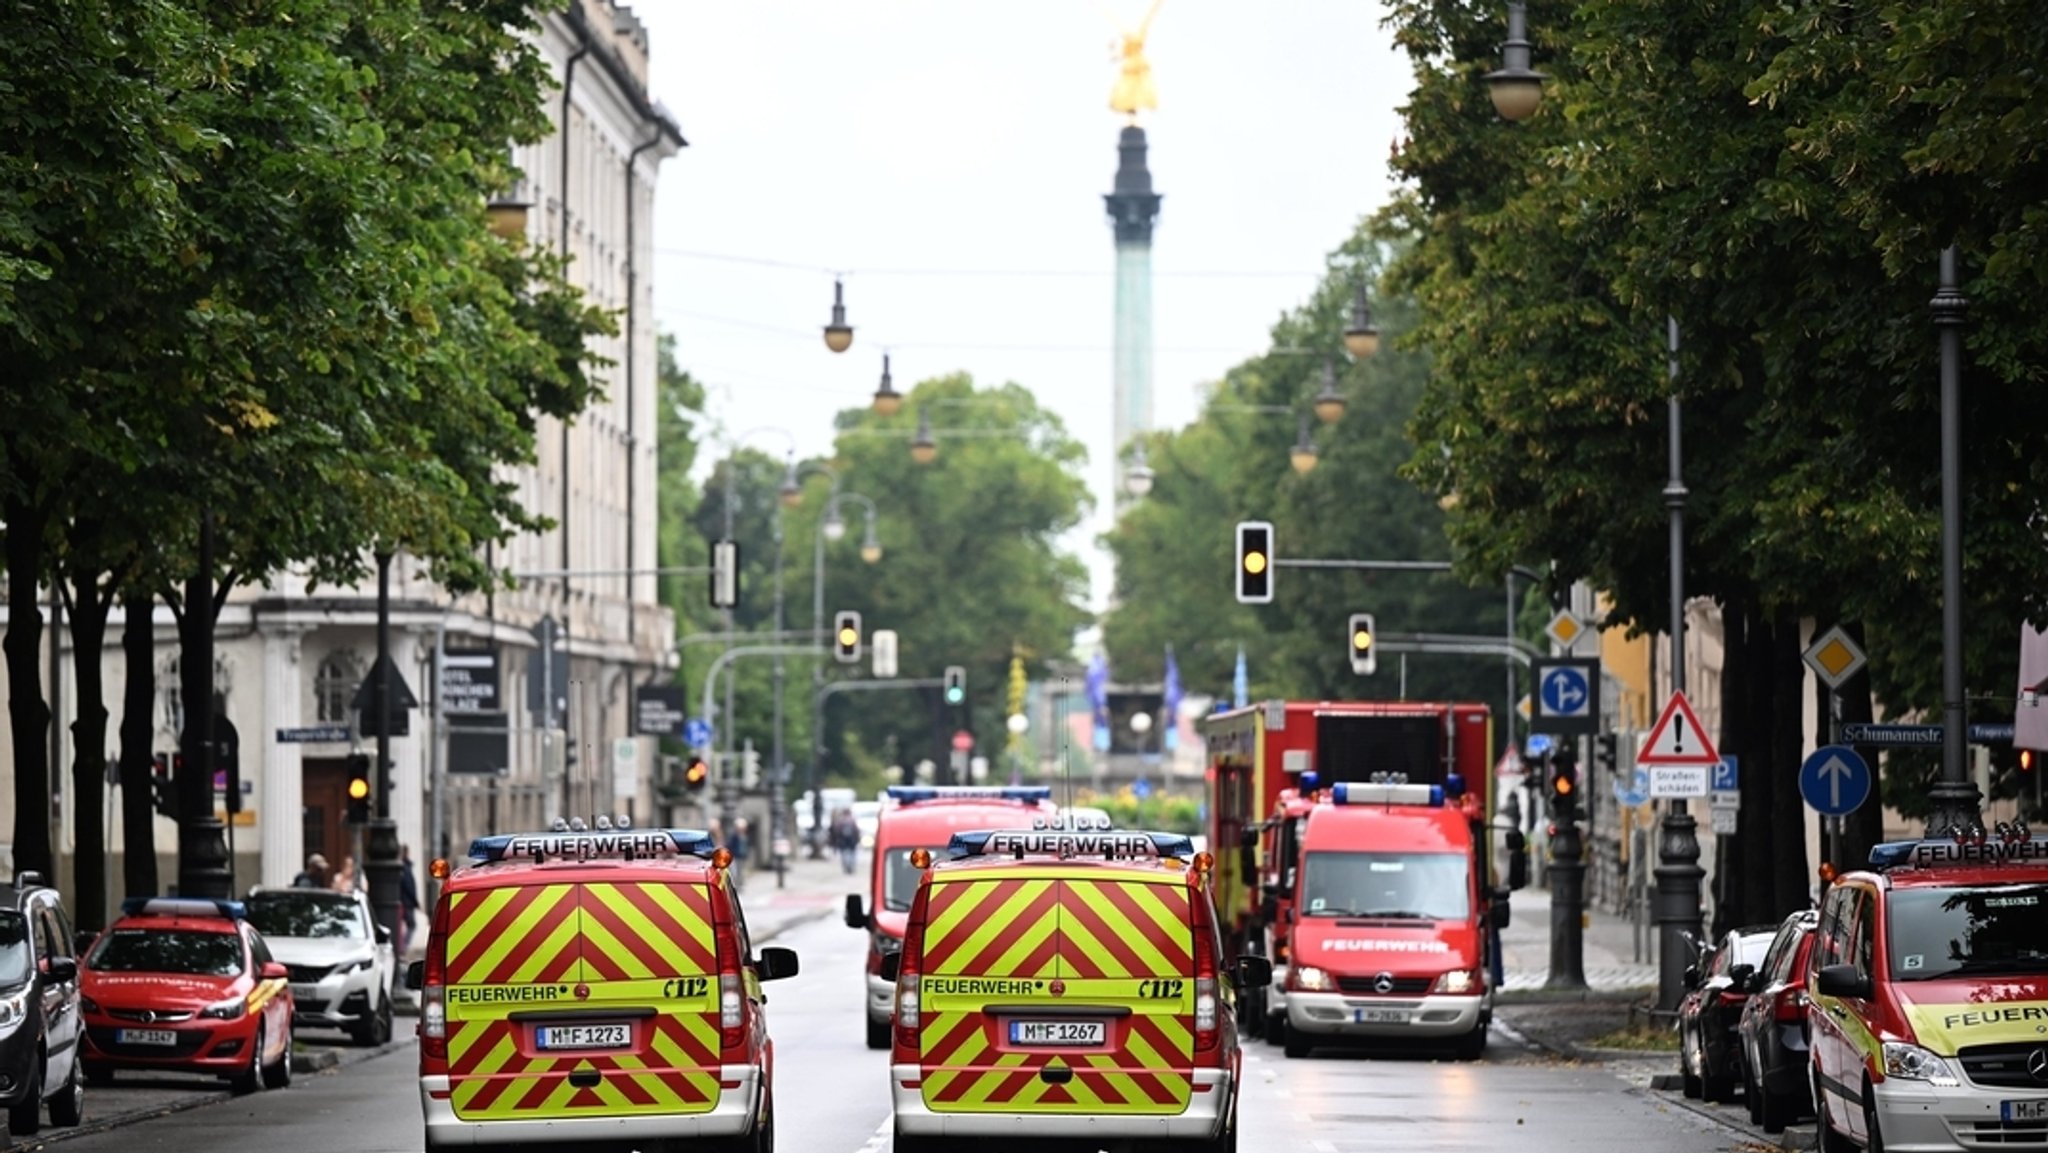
[2026, 760]
[359, 789]
[696, 775]
[846, 637]
[163, 789]
[1365, 657]
[956, 685]
[1254, 562]
[1564, 785]
[725, 574]
[1605, 748]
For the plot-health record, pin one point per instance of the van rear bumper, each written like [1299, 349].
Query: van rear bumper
[733, 1116]
[1208, 1107]
[1334, 1014]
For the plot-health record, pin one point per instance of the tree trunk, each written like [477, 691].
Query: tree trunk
[1792, 884]
[1731, 852]
[28, 712]
[138, 700]
[1758, 701]
[89, 755]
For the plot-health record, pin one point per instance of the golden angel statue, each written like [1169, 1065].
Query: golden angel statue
[1134, 90]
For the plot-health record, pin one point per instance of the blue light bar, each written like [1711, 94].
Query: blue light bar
[1994, 849]
[1101, 844]
[1454, 785]
[183, 907]
[613, 845]
[1360, 793]
[907, 794]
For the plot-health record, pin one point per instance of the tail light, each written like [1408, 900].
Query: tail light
[1732, 999]
[1791, 1007]
[1206, 1036]
[433, 1028]
[732, 1001]
[907, 972]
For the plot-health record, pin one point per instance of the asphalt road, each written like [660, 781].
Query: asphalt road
[832, 1100]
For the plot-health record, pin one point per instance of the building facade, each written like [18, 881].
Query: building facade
[290, 660]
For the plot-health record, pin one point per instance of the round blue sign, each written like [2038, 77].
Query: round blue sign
[1834, 780]
[1565, 693]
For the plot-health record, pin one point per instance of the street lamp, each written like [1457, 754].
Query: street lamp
[834, 525]
[924, 449]
[1138, 476]
[1303, 455]
[838, 334]
[1329, 403]
[887, 400]
[791, 493]
[1516, 88]
[1954, 797]
[1362, 339]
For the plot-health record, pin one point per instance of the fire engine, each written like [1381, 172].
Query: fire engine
[1258, 753]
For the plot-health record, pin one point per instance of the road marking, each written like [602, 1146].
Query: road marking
[1323, 1147]
[884, 1134]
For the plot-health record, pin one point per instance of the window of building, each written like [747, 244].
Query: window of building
[334, 686]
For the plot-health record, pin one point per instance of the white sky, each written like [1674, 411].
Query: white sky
[971, 141]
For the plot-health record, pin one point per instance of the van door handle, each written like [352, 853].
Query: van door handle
[1838, 1011]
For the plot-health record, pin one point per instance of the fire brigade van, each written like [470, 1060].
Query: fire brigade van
[914, 818]
[1272, 862]
[1387, 934]
[1927, 1019]
[594, 984]
[1064, 982]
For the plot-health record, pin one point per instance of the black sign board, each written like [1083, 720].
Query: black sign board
[479, 743]
[660, 711]
[402, 700]
[469, 681]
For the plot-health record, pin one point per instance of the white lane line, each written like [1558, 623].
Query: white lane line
[1323, 1147]
[884, 1133]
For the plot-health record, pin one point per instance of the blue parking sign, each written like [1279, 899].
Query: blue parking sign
[1725, 778]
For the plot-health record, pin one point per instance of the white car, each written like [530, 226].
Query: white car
[341, 963]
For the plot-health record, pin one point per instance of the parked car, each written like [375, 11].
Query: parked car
[1773, 1029]
[39, 1016]
[1709, 1059]
[339, 957]
[186, 984]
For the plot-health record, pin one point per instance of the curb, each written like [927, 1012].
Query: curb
[118, 1120]
[1549, 996]
[314, 1060]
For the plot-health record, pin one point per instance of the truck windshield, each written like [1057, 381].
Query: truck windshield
[899, 879]
[1420, 886]
[1958, 931]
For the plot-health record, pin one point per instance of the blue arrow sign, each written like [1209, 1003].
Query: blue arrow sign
[697, 732]
[1834, 780]
[1565, 692]
[1539, 743]
[1141, 788]
[1725, 778]
[1909, 736]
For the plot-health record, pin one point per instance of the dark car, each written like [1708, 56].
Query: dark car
[1773, 1029]
[1709, 1059]
[39, 1017]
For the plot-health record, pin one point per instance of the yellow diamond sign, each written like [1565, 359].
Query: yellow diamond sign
[1833, 657]
[1564, 628]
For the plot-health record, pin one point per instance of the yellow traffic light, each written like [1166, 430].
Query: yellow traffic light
[848, 637]
[358, 788]
[1255, 563]
[1361, 639]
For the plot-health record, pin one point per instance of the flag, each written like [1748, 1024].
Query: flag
[2030, 724]
[1241, 682]
[1098, 699]
[1170, 740]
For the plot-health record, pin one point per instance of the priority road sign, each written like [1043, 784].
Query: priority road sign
[1834, 780]
[1678, 738]
[1565, 629]
[1567, 696]
[1833, 657]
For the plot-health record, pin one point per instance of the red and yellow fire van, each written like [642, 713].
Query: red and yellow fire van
[1066, 983]
[588, 985]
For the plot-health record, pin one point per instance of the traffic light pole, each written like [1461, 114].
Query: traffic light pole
[1567, 879]
[728, 789]
[382, 865]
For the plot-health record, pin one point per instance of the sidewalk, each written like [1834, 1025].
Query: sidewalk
[810, 891]
[1608, 953]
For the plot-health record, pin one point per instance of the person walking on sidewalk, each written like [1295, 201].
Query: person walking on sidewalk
[738, 844]
[845, 838]
[408, 900]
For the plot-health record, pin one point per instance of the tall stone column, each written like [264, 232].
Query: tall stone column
[408, 753]
[280, 798]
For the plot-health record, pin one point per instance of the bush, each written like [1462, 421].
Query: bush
[1157, 813]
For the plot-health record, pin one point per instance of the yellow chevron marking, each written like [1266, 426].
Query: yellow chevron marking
[953, 917]
[1139, 942]
[993, 921]
[518, 936]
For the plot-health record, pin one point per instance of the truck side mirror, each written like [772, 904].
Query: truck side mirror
[1498, 910]
[1741, 978]
[1842, 981]
[1254, 972]
[415, 974]
[1518, 868]
[775, 963]
[1248, 859]
[856, 915]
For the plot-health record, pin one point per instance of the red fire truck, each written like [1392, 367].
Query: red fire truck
[1262, 750]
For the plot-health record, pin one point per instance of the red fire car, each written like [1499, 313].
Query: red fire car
[186, 985]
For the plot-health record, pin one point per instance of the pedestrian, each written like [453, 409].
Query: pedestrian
[739, 843]
[314, 875]
[408, 899]
[345, 879]
[846, 838]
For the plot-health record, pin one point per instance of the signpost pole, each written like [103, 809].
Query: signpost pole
[1678, 843]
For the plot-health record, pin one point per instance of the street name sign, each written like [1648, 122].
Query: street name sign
[1678, 739]
[1567, 696]
[1899, 736]
[312, 734]
[1833, 657]
[1834, 780]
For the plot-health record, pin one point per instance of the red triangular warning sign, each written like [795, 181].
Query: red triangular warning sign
[1677, 738]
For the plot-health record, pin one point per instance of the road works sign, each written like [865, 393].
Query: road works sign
[1678, 739]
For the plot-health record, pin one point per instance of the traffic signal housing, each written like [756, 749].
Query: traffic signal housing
[846, 637]
[359, 789]
[1606, 748]
[956, 685]
[696, 775]
[163, 787]
[1362, 638]
[1254, 562]
[1564, 785]
[725, 574]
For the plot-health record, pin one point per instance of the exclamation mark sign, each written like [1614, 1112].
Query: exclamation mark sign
[1678, 737]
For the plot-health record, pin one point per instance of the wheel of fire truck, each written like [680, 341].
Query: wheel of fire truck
[1472, 1046]
[878, 1034]
[1293, 1042]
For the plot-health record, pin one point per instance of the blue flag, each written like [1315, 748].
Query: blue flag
[1171, 739]
[1098, 699]
[1241, 682]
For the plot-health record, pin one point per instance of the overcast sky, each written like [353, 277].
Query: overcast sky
[950, 156]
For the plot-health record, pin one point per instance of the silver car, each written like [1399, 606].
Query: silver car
[341, 962]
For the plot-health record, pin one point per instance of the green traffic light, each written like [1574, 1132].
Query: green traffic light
[954, 696]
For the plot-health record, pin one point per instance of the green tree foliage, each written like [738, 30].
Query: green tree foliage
[1175, 548]
[1777, 179]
